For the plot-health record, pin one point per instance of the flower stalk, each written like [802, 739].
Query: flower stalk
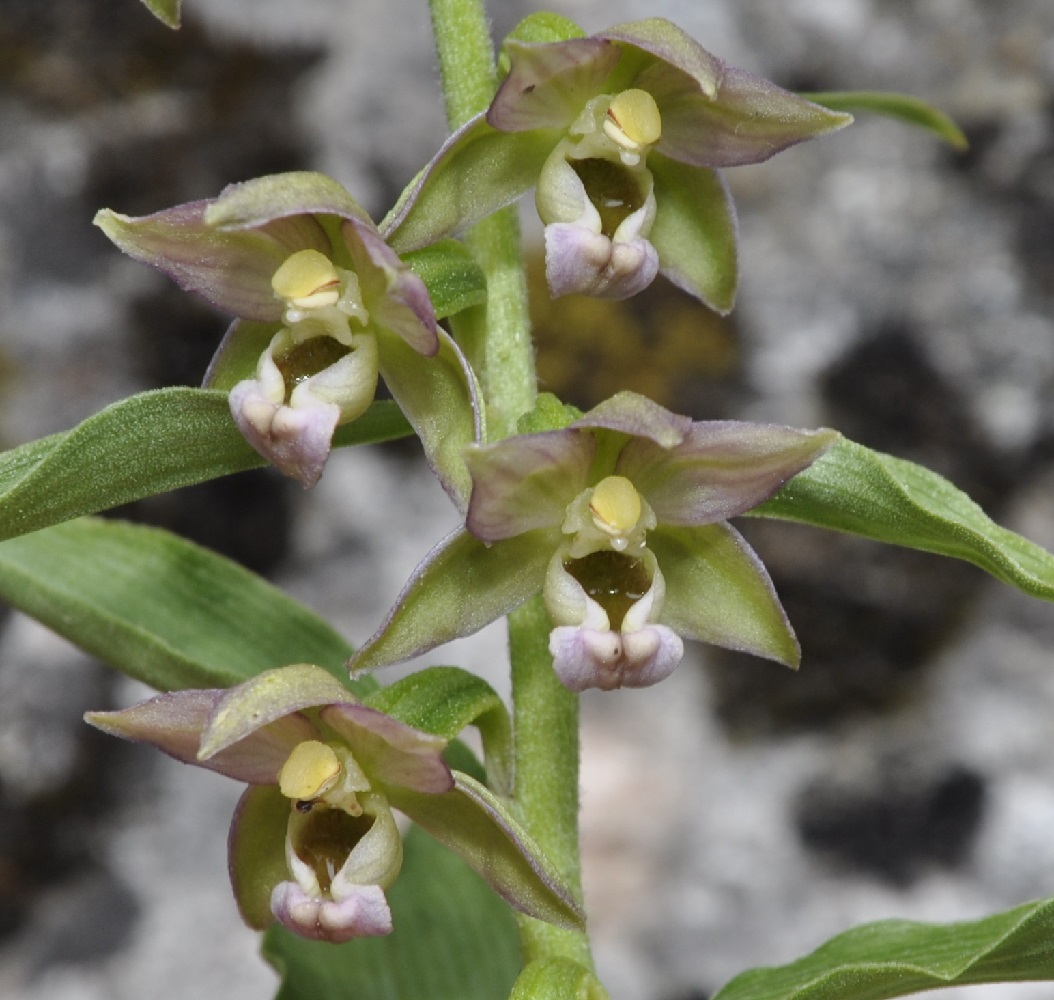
[496, 338]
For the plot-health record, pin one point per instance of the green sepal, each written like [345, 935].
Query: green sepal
[892, 958]
[159, 608]
[868, 493]
[479, 171]
[557, 979]
[443, 701]
[474, 823]
[454, 939]
[238, 354]
[262, 199]
[166, 11]
[453, 278]
[694, 232]
[901, 107]
[463, 585]
[717, 591]
[146, 444]
[256, 852]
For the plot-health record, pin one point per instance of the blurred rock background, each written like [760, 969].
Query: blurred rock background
[736, 814]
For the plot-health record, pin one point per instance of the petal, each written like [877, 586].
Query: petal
[238, 354]
[265, 698]
[549, 84]
[718, 591]
[695, 231]
[231, 269]
[174, 722]
[390, 751]
[475, 825]
[395, 297]
[631, 413]
[722, 468]
[363, 913]
[579, 261]
[477, 171]
[440, 397]
[462, 585]
[295, 441]
[674, 52]
[585, 658]
[526, 482]
[282, 196]
[256, 859]
[749, 121]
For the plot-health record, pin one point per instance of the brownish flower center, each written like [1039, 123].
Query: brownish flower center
[612, 189]
[308, 358]
[614, 580]
[327, 838]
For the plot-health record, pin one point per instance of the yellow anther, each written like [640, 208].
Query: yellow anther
[633, 120]
[306, 280]
[615, 505]
[311, 770]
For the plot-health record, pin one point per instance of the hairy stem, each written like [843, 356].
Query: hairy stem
[498, 342]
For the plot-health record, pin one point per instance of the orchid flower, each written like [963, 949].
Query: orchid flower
[323, 307]
[620, 134]
[620, 521]
[313, 842]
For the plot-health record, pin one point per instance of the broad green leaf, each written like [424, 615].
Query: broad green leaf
[899, 106]
[893, 958]
[454, 939]
[557, 979]
[453, 278]
[443, 701]
[166, 11]
[159, 608]
[474, 823]
[146, 444]
[864, 492]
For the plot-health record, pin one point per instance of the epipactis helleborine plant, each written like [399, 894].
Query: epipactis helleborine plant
[313, 843]
[323, 307]
[620, 134]
[619, 519]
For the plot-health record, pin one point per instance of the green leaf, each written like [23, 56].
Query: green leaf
[453, 940]
[557, 979]
[864, 492]
[902, 107]
[478, 826]
[694, 232]
[893, 958]
[146, 444]
[443, 701]
[453, 278]
[159, 608]
[166, 11]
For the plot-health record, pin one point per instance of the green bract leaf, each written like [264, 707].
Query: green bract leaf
[443, 701]
[146, 444]
[864, 492]
[557, 979]
[475, 824]
[453, 278]
[453, 940]
[899, 106]
[893, 958]
[159, 608]
[166, 11]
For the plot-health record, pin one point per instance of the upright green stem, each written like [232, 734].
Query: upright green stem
[496, 337]
[497, 340]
